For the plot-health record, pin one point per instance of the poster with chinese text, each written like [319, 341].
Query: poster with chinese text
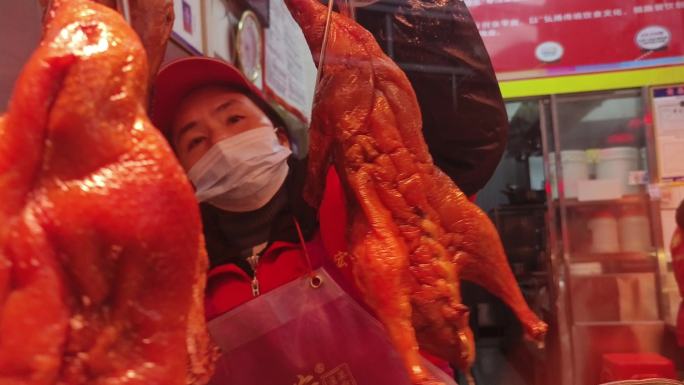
[544, 38]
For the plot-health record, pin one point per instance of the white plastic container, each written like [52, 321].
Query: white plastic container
[604, 233]
[575, 168]
[634, 229]
[616, 163]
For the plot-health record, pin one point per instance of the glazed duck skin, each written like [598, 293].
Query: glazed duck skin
[414, 234]
[101, 257]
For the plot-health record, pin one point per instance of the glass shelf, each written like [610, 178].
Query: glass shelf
[613, 264]
[609, 275]
[618, 323]
[621, 256]
[636, 199]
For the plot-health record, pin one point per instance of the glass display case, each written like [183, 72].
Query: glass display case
[578, 207]
[605, 249]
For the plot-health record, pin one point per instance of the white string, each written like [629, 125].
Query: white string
[326, 31]
[124, 8]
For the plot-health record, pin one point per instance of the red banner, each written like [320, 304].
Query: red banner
[540, 38]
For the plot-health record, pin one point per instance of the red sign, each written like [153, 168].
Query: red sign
[539, 38]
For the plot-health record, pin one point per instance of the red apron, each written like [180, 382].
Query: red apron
[302, 333]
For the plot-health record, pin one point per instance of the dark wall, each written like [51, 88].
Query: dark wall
[508, 172]
[20, 28]
[19, 35]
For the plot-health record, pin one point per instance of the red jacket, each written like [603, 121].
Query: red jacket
[229, 286]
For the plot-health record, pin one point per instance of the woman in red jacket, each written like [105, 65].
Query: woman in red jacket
[237, 154]
[262, 238]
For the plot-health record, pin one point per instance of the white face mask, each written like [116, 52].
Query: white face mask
[243, 172]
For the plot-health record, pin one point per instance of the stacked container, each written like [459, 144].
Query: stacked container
[633, 226]
[575, 168]
[604, 232]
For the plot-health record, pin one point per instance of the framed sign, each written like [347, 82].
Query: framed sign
[188, 26]
[667, 105]
[289, 70]
[220, 26]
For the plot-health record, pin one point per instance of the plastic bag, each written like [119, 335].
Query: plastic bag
[438, 46]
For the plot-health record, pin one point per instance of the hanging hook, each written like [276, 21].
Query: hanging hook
[316, 281]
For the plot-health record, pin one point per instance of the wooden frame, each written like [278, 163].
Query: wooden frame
[220, 27]
[188, 27]
[250, 41]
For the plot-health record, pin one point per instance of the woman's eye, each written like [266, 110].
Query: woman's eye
[235, 118]
[195, 142]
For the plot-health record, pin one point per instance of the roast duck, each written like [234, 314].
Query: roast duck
[101, 257]
[413, 234]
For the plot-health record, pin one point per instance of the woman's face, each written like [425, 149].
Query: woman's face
[210, 114]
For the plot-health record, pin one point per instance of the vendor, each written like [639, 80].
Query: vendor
[236, 152]
[260, 234]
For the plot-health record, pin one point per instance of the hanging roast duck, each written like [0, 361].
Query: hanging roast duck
[414, 235]
[101, 258]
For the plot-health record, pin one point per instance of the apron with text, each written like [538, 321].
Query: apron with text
[306, 332]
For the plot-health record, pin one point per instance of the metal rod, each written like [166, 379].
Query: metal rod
[124, 8]
[552, 249]
[565, 316]
[653, 205]
[390, 35]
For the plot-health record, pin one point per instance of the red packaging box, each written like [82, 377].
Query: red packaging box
[636, 366]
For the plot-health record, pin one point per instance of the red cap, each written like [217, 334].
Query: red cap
[178, 78]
